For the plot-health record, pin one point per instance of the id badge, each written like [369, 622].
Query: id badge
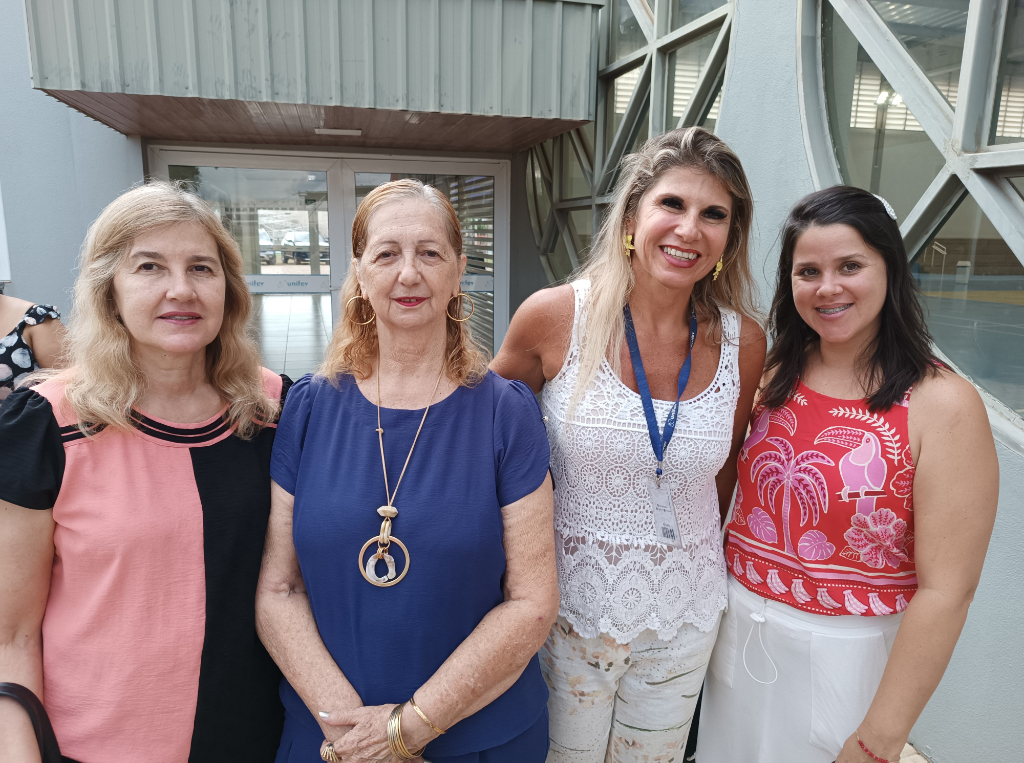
[665, 524]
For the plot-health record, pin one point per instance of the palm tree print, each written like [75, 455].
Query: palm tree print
[795, 476]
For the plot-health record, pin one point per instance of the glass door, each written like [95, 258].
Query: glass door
[280, 221]
[282, 206]
[479, 191]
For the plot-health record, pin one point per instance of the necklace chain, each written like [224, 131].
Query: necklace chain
[380, 434]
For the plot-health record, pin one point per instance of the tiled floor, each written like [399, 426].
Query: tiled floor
[293, 331]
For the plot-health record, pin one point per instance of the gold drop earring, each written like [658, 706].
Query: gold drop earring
[718, 269]
[628, 241]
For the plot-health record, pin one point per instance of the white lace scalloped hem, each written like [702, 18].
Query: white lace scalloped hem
[705, 624]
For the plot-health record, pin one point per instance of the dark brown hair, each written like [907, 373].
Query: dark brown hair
[900, 355]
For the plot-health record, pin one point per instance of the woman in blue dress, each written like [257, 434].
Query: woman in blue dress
[409, 574]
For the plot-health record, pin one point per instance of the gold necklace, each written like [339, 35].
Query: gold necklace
[389, 512]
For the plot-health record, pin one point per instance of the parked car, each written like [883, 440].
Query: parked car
[296, 246]
[266, 248]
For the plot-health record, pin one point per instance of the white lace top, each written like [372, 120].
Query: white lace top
[613, 575]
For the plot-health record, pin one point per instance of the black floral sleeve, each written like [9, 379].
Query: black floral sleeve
[16, 358]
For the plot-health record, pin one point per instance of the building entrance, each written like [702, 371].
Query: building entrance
[280, 207]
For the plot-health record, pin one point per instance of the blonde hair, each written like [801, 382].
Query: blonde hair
[103, 382]
[610, 271]
[353, 346]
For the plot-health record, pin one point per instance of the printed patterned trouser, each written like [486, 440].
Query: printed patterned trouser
[622, 703]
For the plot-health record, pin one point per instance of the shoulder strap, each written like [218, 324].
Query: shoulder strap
[49, 751]
[732, 325]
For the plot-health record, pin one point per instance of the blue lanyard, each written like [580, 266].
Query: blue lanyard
[659, 440]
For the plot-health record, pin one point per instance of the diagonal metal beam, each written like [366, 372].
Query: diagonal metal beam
[620, 143]
[923, 99]
[547, 241]
[931, 212]
[583, 202]
[703, 95]
[624, 64]
[582, 156]
[570, 244]
[545, 163]
[644, 17]
[696, 28]
[972, 124]
[1002, 205]
[1006, 157]
[533, 203]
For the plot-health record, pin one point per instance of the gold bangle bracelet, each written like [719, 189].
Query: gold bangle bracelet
[395, 741]
[423, 716]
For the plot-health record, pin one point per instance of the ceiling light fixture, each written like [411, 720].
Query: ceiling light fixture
[332, 131]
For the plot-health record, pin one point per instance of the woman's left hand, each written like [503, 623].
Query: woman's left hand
[367, 739]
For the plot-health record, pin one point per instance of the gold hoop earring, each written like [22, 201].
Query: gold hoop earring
[373, 317]
[628, 241]
[718, 269]
[472, 307]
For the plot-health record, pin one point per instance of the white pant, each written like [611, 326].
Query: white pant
[622, 703]
[828, 672]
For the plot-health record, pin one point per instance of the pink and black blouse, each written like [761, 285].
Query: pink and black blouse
[150, 649]
[824, 514]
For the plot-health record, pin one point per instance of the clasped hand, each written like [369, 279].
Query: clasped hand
[366, 740]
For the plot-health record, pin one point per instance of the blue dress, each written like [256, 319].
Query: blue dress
[482, 447]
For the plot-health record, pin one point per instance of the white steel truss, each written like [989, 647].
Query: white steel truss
[961, 134]
[649, 106]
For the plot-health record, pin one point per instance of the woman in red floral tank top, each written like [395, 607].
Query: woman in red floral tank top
[866, 497]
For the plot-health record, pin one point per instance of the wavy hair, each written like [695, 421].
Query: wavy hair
[103, 382]
[611, 274]
[900, 355]
[354, 346]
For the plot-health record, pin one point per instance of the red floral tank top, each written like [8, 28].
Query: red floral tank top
[824, 508]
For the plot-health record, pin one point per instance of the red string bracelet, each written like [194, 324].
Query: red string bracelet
[871, 754]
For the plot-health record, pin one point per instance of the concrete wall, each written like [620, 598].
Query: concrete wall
[977, 710]
[760, 119]
[58, 169]
[5, 264]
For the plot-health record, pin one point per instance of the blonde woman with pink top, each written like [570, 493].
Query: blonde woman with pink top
[134, 504]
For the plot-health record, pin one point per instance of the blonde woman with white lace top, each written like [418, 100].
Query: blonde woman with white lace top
[661, 313]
